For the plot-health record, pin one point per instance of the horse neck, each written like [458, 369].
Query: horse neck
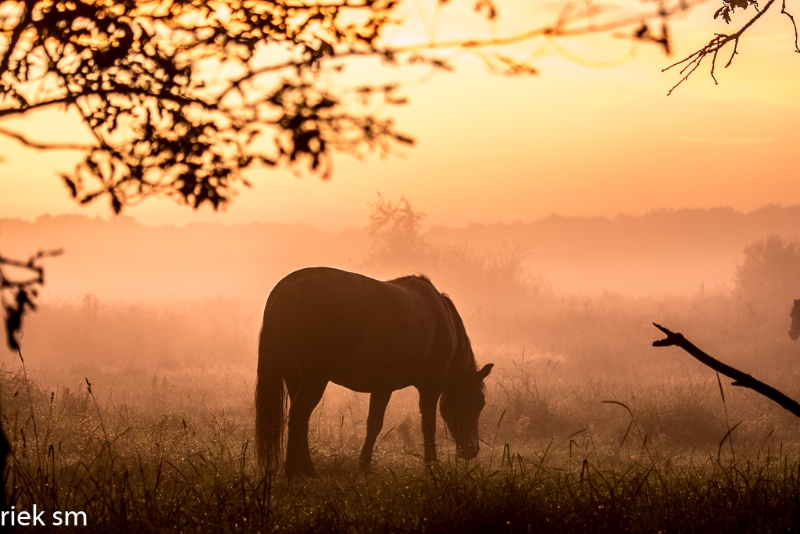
[463, 364]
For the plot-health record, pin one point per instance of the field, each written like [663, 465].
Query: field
[587, 427]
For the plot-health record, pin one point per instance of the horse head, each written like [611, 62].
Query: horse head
[461, 407]
[794, 331]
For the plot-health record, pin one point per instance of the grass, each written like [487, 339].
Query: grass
[555, 459]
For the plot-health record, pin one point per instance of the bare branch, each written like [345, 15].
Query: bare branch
[740, 378]
[556, 29]
[794, 25]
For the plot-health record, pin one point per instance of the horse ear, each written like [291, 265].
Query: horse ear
[484, 372]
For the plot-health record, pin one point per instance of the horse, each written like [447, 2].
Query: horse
[326, 325]
[794, 331]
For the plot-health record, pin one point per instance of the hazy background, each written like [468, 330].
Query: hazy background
[130, 302]
[664, 252]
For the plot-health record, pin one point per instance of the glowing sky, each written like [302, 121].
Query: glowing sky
[572, 140]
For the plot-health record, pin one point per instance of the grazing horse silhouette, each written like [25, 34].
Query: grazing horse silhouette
[794, 331]
[325, 325]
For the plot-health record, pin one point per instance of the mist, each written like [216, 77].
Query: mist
[129, 302]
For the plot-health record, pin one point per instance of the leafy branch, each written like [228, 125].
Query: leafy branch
[181, 96]
[18, 293]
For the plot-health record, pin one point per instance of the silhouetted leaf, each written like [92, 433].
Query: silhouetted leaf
[725, 13]
[73, 190]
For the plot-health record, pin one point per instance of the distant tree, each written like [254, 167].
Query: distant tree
[398, 247]
[395, 238]
[768, 279]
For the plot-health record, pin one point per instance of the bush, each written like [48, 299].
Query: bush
[768, 279]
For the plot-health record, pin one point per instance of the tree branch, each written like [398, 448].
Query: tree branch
[556, 29]
[740, 378]
[794, 25]
[43, 146]
[720, 40]
[8, 112]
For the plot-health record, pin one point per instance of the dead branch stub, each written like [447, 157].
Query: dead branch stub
[739, 378]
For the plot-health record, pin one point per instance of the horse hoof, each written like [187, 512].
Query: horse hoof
[300, 472]
[431, 464]
[300, 475]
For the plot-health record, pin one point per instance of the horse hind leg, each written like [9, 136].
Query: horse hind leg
[305, 399]
[377, 409]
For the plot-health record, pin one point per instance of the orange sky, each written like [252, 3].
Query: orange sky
[573, 140]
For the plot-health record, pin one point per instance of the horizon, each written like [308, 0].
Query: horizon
[661, 253]
[425, 227]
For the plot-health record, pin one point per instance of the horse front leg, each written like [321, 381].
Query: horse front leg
[377, 409]
[427, 408]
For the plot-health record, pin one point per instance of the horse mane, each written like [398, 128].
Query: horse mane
[419, 276]
[464, 362]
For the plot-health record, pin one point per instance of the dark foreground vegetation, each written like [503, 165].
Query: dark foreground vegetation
[518, 495]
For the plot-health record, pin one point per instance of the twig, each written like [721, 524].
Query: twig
[720, 40]
[43, 146]
[794, 25]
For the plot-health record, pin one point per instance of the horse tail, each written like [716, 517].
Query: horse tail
[270, 407]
